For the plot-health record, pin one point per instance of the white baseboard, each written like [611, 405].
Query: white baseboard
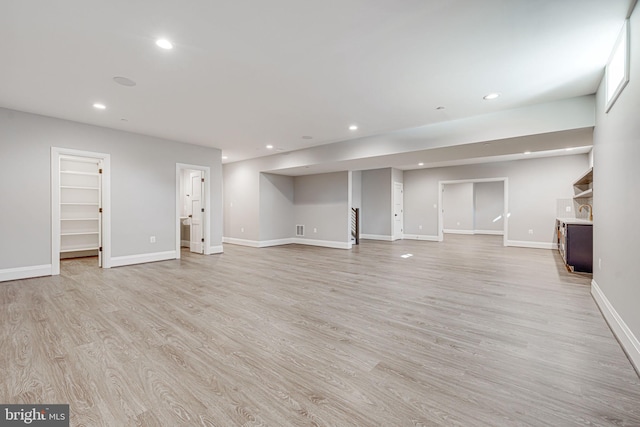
[288, 241]
[241, 242]
[120, 261]
[377, 237]
[277, 242]
[489, 232]
[421, 237]
[25, 272]
[533, 245]
[625, 336]
[323, 243]
[215, 250]
[447, 231]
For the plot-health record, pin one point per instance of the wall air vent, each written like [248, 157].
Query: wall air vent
[299, 230]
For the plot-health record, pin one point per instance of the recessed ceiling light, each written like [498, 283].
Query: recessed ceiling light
[164, 43]
[124, 81]
[224, 157]
[527, 152]
[307, 137]
[420, 164]
[269, 147]
[491, 96]
[353, 127]
[99, 106]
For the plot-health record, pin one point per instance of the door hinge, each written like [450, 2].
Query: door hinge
[202, 210]
[202, 179]
[203, 240]
[99, 210]
[100, 248]
[99, 170]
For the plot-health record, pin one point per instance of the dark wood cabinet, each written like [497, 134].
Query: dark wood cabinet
[575, 243]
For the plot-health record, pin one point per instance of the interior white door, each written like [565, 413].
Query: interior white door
[398, 208]
[196, 238]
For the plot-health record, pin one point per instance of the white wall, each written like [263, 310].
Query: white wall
[534, 187]
[143, 186]
[322, 206]
[616, 207]
[356, 189]
[457, 208]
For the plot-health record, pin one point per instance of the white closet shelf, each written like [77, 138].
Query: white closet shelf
[79, 219]
[80, 204]
[80, 173]
[71, 187]
[80, 234]
[93, 248]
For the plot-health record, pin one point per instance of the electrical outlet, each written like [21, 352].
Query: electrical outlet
[242, 229]
[458, 223]
[419, 227]
[315, 230]
[531, 231]
[152, 239]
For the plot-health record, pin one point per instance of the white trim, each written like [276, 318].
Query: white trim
[376, 237]
[421, 237]
[25, 272]
[120, 261]
[289, 241]
[277, 242]
[215, 250]
[448, 231]
[323, 243]
[207, 205]
[185, 243]
[56, 153]
[533, 245]
[241, 242]
[620, 329]
[490, 232]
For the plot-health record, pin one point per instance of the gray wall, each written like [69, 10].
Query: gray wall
[488, 205]
[143, 186]
[457, 207]
[534, 187]
[356, 189]
[277, 219]
[377, 207]
[616, 196]
[241, 201]
[322, 202]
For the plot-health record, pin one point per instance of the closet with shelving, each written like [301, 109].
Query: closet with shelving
[80, 207]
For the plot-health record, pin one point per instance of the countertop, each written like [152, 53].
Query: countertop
[575, 221]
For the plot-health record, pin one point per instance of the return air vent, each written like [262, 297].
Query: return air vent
[300, 230]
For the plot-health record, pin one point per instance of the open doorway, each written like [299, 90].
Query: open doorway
[473, 206]
[192, 208]
[80, 207]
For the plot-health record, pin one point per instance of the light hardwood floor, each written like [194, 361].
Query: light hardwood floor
[463, 333]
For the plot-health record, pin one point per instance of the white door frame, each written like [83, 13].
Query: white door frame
[400, 235]
[505, 212]
[56, 153]
[206, 222]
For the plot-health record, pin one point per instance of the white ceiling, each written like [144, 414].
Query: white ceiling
[244, 74]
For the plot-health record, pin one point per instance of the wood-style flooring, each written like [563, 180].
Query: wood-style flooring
[462, 333]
